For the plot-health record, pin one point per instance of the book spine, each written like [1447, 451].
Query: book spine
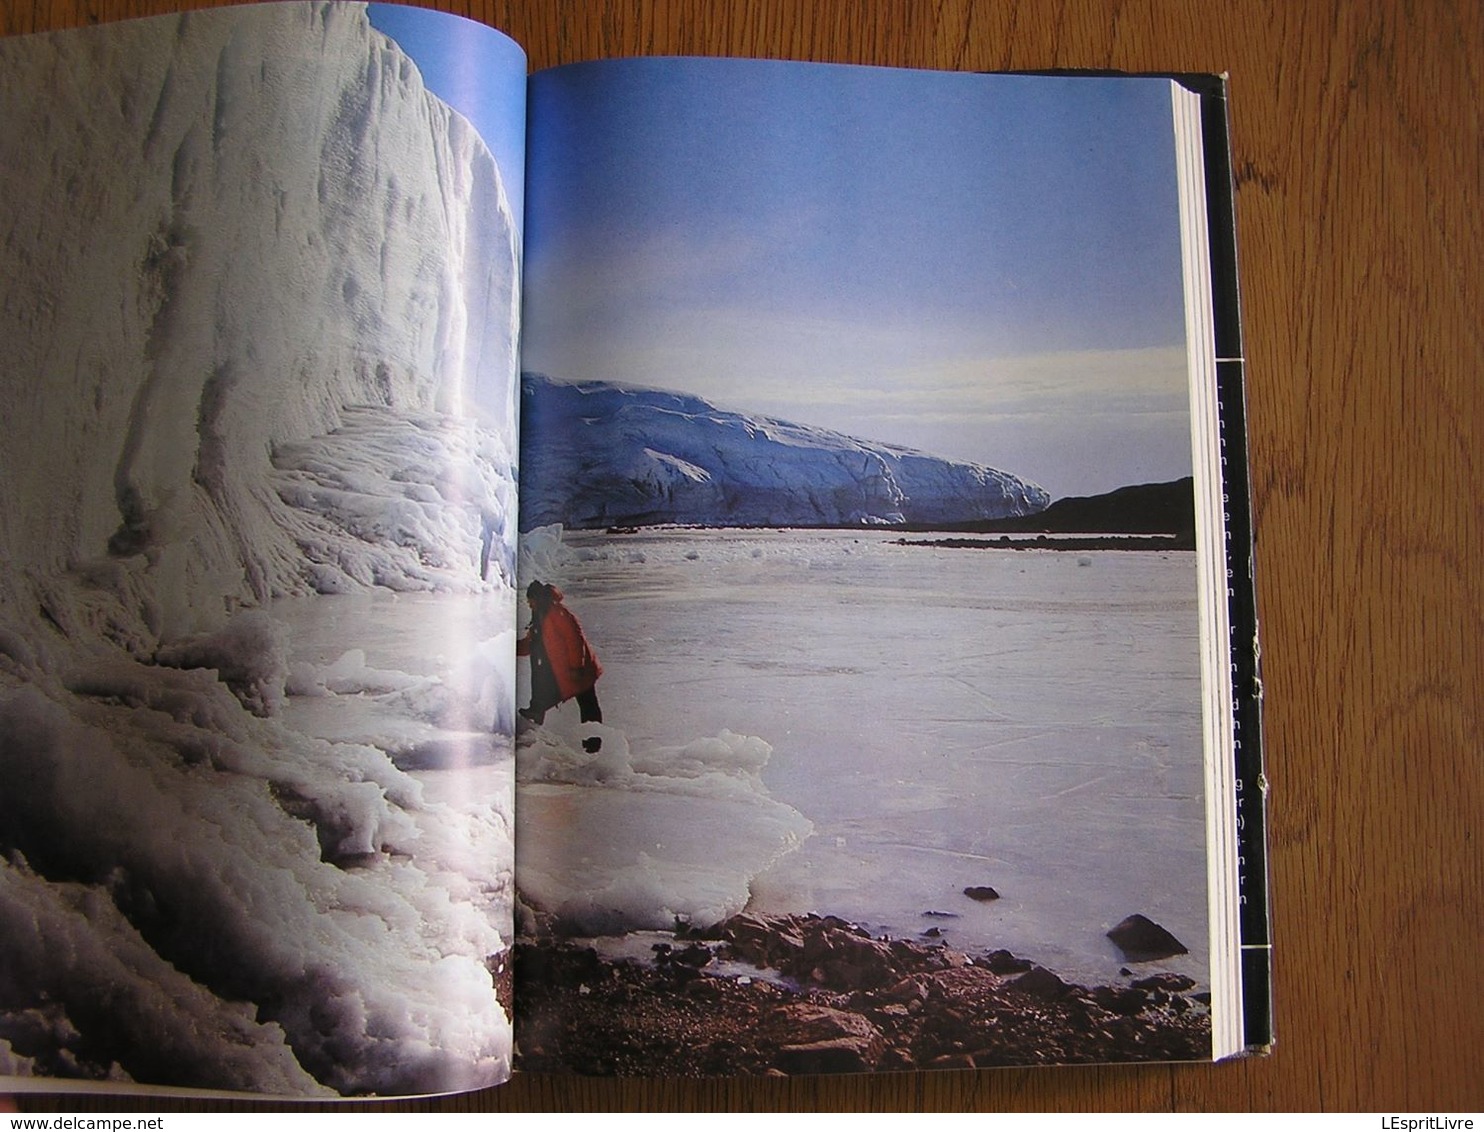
[1246, 655]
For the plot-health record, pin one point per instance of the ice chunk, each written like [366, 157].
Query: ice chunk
[621, 841]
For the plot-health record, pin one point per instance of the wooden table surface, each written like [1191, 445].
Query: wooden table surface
[1360, 205]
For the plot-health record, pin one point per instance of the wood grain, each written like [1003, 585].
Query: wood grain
[1357, 145]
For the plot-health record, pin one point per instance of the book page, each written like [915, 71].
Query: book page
[259, 293]
[857, 439]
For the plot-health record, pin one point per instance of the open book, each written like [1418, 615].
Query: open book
[667, 566]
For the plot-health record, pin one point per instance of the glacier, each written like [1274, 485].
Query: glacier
[244, 225]
[597, 454]
[259, 299]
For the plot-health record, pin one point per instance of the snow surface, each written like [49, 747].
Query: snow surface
[596, 454]
[259, 311]
[1024, 719]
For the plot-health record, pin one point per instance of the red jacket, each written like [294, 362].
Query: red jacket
[573, 662]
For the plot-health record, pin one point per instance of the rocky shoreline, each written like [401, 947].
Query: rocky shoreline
[805, 994]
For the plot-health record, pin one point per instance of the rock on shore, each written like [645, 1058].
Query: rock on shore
[811, 994]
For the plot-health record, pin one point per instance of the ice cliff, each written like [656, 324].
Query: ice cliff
[242, 224]
[258, 299]
[595, 454]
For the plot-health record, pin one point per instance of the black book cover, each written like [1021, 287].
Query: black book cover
[1251, 780]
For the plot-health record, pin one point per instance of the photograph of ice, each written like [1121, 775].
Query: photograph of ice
[258, 298]
[877, 774]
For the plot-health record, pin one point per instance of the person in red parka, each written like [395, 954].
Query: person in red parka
[563, 664]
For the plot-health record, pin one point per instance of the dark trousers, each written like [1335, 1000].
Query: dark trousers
[587, 708]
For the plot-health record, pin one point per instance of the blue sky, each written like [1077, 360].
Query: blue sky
[476, 70]
[981, 267]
